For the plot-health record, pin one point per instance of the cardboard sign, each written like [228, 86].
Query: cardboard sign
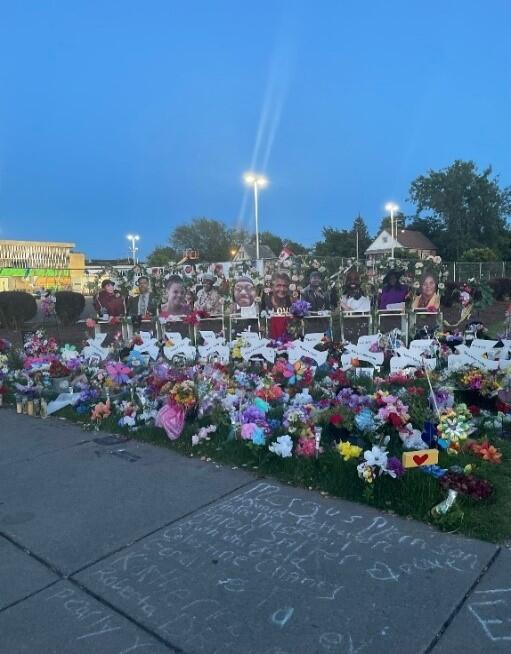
[94, 348]
[298, 349]
[417, 458]
[248, 312]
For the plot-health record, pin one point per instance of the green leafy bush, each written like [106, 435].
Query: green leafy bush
[16, 307]
[501, 287]
[69, 306]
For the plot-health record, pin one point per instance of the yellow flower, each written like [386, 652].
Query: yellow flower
[349, 451]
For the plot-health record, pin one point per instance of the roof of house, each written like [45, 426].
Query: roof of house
[265, 252]
[413, 240]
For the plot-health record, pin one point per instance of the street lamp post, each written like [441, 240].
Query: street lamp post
[390, 206]
[133, 238]
[256, 181]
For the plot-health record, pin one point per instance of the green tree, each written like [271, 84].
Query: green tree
[161, 255]
[211, 238]
[470, 205]
[479, 254]
[431, 227]
[364, 240]
[342, 242]
[399, 222]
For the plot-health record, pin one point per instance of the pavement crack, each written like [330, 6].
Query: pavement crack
[461, 603]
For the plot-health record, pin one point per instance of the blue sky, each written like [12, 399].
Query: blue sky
[131, 116]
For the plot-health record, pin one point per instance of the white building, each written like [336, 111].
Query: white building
[406, 239]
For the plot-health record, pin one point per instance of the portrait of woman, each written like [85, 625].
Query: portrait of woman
[176, 303]
[428, 298]
[109, 302]
[208, 298]
[393, 292]
[279, 299]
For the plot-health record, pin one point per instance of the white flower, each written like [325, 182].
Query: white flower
[292, 287]
[437, 259]
[376, 456]
[283, 447]
[441, 286]
[419, 264]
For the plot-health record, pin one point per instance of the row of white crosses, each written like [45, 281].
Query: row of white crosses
[412, 357]
[477, 355]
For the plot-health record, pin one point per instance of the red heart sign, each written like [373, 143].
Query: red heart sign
[419, 459]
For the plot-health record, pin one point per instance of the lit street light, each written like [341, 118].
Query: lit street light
[257, 181]
[390, 206]
[133, 238]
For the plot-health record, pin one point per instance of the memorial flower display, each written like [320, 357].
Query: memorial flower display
[295, 415]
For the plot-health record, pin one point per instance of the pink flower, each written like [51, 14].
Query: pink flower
[90, 323]
[306, 447]
[247, 430]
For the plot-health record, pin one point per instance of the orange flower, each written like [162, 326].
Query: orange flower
[101, 411]
[486, 451]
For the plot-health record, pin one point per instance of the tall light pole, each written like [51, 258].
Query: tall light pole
[390, 206]
[256, 181]
[133, 238]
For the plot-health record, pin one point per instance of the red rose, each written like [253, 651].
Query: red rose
[474, 410]
[336, 420]
[395, 420]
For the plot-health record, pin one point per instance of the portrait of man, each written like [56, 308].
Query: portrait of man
[143, 304]
[314, 293]
[353, 298]
[244, 293]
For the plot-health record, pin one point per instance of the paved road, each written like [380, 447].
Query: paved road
[117, 547]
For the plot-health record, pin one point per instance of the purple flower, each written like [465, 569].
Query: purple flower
[253, 414]
[395, 467]
[300, 308]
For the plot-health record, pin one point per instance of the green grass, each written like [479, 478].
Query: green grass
[412, 496]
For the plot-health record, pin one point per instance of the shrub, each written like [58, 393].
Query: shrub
[16, 307]
[449, 295]
[479, 254]
[501, 287]
[69, 306]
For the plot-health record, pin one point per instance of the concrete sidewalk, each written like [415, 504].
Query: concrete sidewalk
[123, 547]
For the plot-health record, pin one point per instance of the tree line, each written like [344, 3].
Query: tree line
[462, 210]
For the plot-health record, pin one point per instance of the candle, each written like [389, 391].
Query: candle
[30, 407]
[19, 404]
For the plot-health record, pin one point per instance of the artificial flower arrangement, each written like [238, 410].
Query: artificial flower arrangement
[289, 411]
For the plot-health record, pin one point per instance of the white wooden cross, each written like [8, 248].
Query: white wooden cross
[298, 349]
[94, 347]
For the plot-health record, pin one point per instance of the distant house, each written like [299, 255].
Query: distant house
[247, 252]
[406, 239]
